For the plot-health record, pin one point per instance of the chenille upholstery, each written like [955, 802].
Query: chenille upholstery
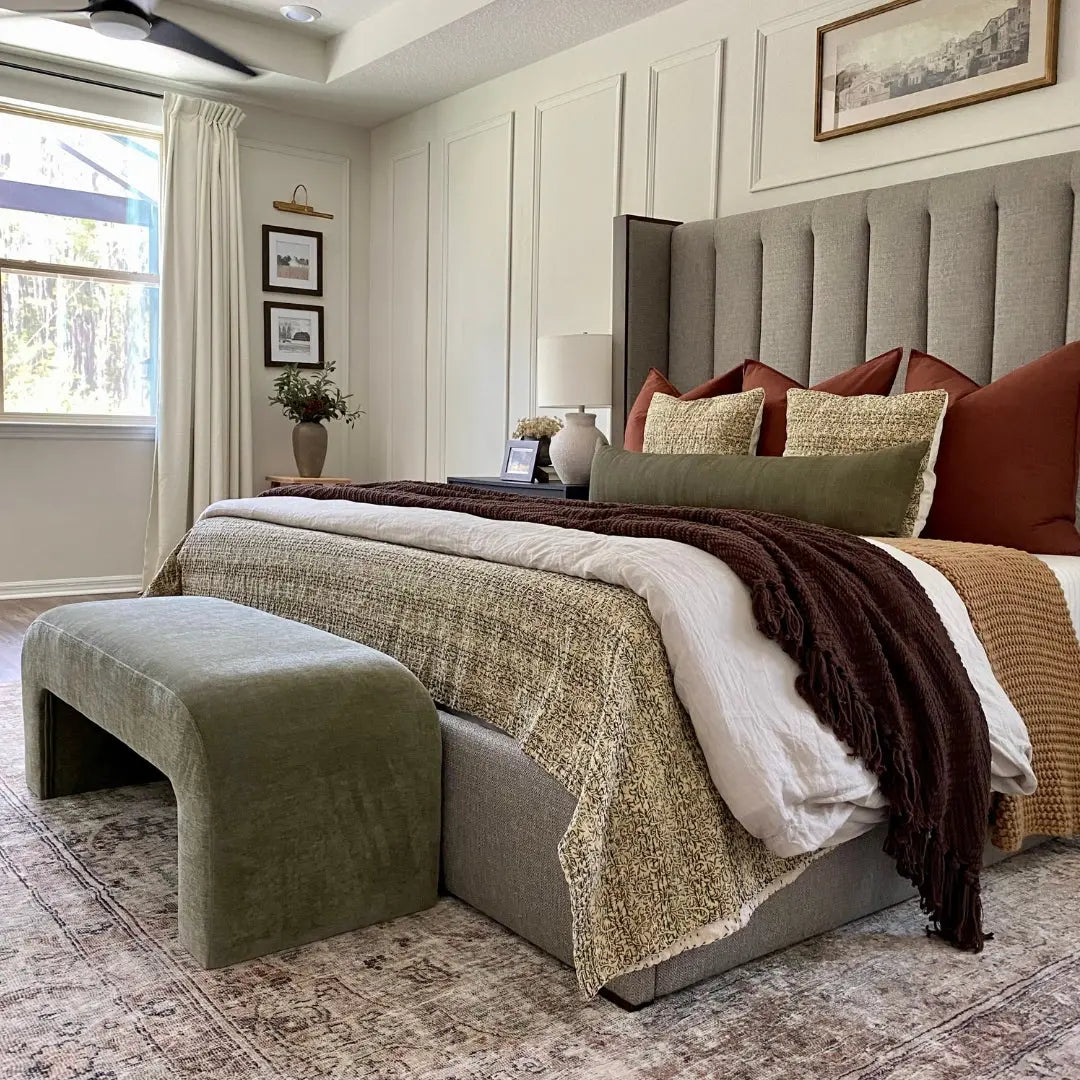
[306, 768]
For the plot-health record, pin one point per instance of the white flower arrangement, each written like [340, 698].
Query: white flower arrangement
[537, 427]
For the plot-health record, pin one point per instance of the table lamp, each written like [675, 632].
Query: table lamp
[572, 371]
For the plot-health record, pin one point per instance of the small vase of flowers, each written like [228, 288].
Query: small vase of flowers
[542, 429]
[308, 401]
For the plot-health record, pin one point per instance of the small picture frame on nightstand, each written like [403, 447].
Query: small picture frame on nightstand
[519, 460]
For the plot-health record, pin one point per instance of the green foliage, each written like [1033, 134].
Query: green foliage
[303, 399]
[76, 346]
[70, 344]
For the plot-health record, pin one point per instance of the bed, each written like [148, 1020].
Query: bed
[982, 267]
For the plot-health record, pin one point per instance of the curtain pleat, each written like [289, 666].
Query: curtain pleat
[203, 451]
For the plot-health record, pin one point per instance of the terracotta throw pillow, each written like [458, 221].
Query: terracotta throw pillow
[656, 383]
[1007, 469]
[874, 377]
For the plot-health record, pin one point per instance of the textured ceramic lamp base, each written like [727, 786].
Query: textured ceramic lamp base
[572, 449]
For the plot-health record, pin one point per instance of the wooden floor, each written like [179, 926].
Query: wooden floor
[15, 617]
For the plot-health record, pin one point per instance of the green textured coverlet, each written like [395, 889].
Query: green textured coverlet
[576, 672]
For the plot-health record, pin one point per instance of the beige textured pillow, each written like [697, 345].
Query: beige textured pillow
[819, 423]
[728, 424]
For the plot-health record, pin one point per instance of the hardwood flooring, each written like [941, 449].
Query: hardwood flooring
[15, 617]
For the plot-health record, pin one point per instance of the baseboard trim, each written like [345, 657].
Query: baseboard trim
[28, 590]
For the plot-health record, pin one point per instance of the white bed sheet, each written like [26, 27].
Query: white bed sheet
[1066, 569]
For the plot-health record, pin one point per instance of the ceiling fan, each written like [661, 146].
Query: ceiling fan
[128, 20]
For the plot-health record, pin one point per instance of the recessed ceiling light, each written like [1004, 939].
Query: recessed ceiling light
[301, 13]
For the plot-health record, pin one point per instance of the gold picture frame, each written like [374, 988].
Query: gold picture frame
[1041, 15]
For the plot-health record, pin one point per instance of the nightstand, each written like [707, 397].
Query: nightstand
[513, 487]
[281, 481]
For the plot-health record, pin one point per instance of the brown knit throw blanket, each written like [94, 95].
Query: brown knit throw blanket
[875, 661]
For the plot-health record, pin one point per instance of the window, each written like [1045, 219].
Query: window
[78, 269]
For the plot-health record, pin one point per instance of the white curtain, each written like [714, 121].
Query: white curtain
[203, 451]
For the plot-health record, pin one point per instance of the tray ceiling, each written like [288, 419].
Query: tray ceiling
[366, 61]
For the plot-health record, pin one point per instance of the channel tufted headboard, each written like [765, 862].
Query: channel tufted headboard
[982, 269]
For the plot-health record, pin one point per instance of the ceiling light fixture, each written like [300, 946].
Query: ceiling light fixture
[121, 25]
[301, 13]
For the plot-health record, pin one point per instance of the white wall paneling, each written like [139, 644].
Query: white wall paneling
[783, 153]
[407, 353]
[685, 102]
[478, 179]
[711, 115]
[577, 180]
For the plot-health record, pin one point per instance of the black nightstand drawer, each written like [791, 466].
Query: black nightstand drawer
[537, 491]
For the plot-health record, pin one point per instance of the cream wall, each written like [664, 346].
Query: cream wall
[491, 210]
[73, 506]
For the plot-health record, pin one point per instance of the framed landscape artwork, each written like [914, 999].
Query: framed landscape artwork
[915, 57]
[292, 334]
[292, 261]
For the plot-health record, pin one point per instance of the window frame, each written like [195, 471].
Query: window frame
[28, 424]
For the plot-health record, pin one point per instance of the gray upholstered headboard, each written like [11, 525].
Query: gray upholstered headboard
[982, 269]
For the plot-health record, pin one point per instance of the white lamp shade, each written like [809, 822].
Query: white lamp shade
[573, 370]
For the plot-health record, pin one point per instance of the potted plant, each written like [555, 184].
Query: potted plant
[309, 400]
[542, 429]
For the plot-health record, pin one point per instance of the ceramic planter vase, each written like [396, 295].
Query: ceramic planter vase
[309, 447]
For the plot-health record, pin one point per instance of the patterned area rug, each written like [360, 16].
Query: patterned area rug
[94, 986]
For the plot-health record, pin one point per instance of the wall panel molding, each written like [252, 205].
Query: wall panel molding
[757, 136]
[330, 173]
[291, 151]
[504, 122]
[421, 157]
[614, 85]
[714, 51]
[817, 15]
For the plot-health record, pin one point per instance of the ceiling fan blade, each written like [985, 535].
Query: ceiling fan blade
[46, 7]
[173, 36]
[75, 18]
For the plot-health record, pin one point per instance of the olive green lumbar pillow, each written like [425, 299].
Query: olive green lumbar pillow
[866, 494]
[728, 424]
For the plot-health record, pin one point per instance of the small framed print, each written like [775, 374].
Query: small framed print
[519, 460]
[292, 334]
[292, 261]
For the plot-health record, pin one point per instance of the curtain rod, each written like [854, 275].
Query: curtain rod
[79, 79]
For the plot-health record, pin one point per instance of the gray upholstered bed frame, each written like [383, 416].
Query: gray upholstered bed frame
[981, 269]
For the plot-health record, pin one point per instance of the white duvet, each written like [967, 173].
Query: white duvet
[785, 776]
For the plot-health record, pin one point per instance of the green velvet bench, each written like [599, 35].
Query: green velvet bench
[306, 768]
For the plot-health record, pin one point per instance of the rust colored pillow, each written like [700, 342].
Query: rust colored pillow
[656, 383]
[1009, 460]
[874, 377]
